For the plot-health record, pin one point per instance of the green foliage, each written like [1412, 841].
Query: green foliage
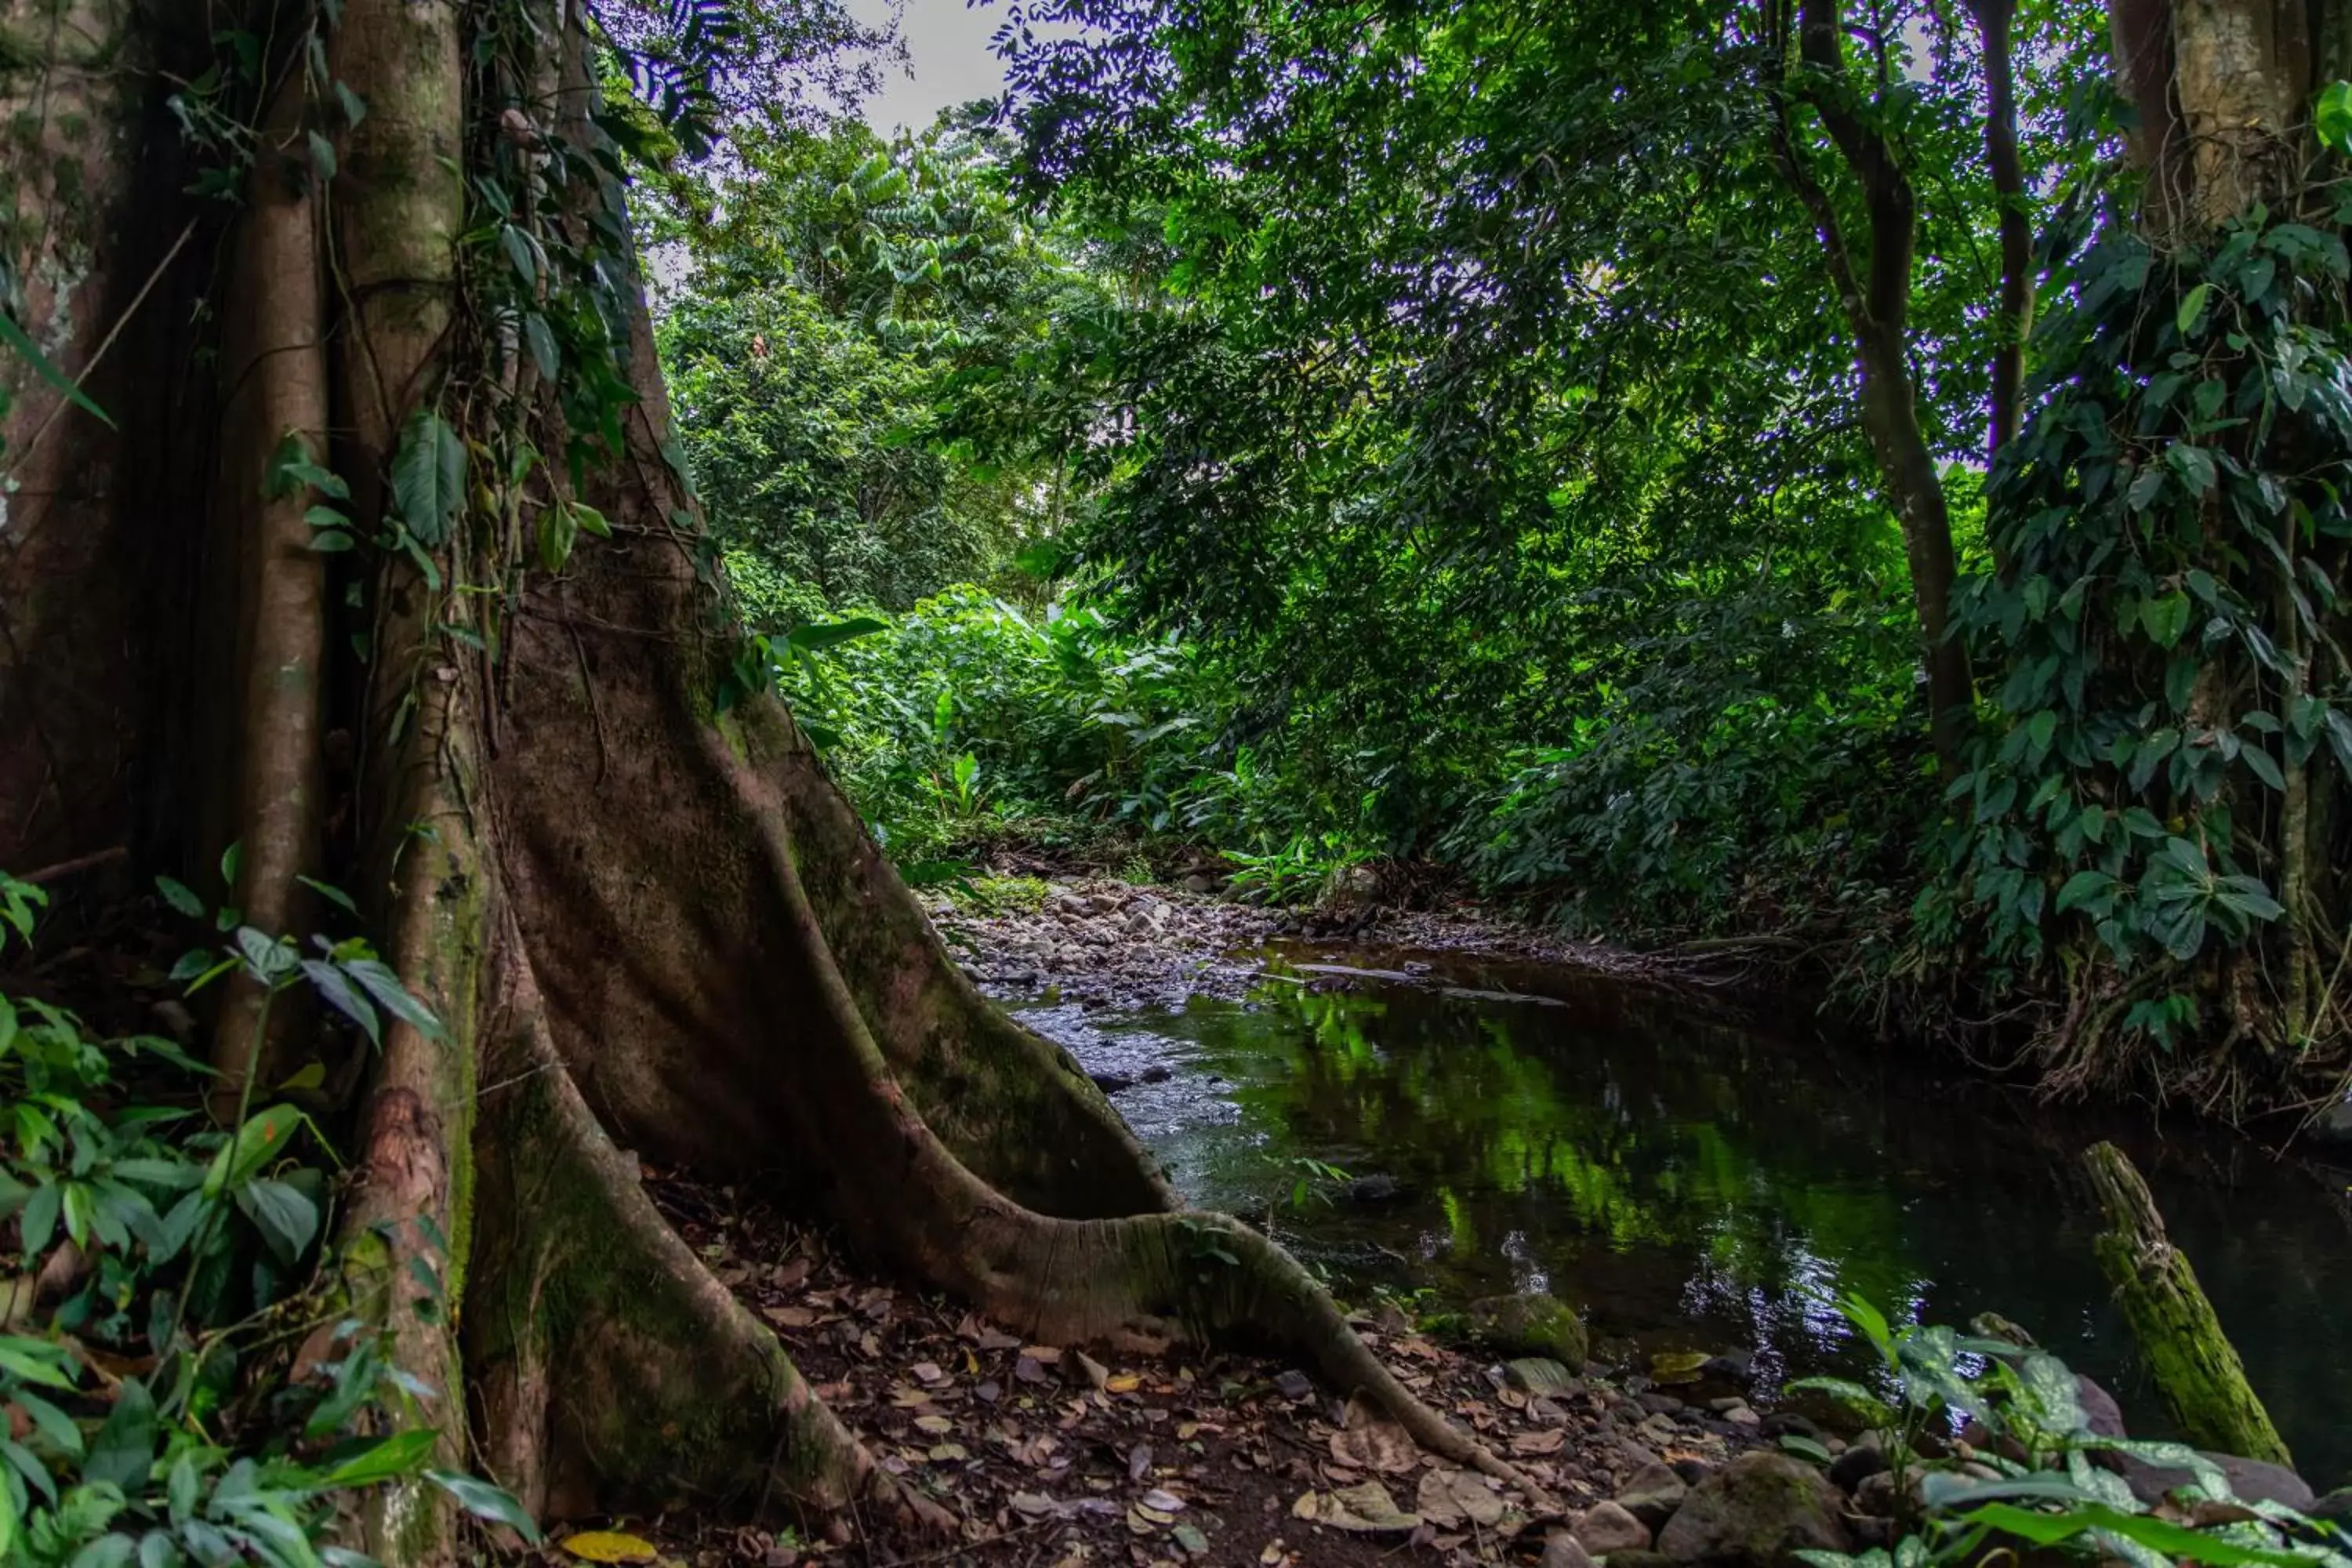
[2173, 536]
[160, 1274]
[2029, 1426]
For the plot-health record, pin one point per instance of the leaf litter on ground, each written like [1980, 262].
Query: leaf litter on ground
[1051, 1457]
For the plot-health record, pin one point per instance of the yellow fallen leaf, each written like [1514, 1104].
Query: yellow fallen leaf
[1125, 1382]
[934, 1424]
[610, 1546]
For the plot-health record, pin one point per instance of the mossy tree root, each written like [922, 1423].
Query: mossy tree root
[610, 1367]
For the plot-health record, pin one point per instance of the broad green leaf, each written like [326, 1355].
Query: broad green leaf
[124, 1449]
[402, 1453]
[428, 477]
[2192, 308]
[483, 1500]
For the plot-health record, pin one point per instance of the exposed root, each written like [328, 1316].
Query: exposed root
[611, 1365]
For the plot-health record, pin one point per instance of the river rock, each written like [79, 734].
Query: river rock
[1531, 1324]
[1758, 1510]
[2251, 1480]
[1857, 1465]
[1606, 1528]
[2099, 1407]
[1562, 1549]
[2336, 1506]
[1652, 1494]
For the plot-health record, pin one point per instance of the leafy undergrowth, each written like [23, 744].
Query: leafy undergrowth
[1052, 1458]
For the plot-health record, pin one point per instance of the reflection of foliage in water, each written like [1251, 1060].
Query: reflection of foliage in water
[1450, 1097]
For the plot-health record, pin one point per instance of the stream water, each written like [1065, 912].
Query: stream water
[1690, 1184]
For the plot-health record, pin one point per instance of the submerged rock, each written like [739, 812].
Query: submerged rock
[1758, 1510]
[1531, 1324]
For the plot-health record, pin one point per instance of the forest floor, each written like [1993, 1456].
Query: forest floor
[1053, 1459]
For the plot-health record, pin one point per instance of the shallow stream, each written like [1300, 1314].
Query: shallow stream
[1693, 1185]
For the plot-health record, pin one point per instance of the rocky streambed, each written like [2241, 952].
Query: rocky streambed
[1708, 1466]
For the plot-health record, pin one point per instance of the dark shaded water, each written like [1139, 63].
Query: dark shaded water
[1694, 1186]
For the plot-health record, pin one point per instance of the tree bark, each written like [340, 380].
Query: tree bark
[1874, 297]
[2014, 322]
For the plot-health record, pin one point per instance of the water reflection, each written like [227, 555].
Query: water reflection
[1691, 1185]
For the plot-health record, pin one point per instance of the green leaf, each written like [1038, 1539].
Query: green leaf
[557, 533]
[817, 635]
[589, 519]
[539, 338]
[255, 1143]
[13, 336]
[339, 994]
[2165, 619]
[399, 1455]
[2192, 308]
[483, 1500]
[428, 477]
[124, 1449]
[2145, 1529]
[354, 107]
[2331, 117]
[287, 1220]
[394, 997]
[2083, 886]
[322, 157]
[181, 897]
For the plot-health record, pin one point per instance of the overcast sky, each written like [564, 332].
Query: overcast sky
[951, 63]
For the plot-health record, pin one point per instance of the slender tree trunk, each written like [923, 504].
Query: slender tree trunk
[1873, 292]
[1995, 20]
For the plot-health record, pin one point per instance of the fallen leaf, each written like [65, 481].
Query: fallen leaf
[947, 1453]
[1380, 1445]
[1272, 1554]
[1365, 1509]
[1455, 1498]
[1125, 1382]
[1547, 1441]
[1139, 1462]
[928, 1371]
[1308, 1506]
[1097, 1373]
[1028, 1368]
[1034, 1505]
[933, 1424]
[1163, 1501]
[610, 1546]
[1190, 1538]
[1046, 1355]
[790, 1317]
[1676, 1366]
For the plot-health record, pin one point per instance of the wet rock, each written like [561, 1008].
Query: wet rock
[1377, 1188]
[1294, 1387]
[1658, 1404]
[1156, 1073]
[1857, 1465]
[1692, 1470]
[1640, 1559]
[2336, 1506]
[1789, 1422]
[1733, 1366]
[1539, 1375]
[1531, 1324]
[2251, 1480]
[1111, 1082]
[1652, 1494]
[2106, 1417]
[1197, 883]
[1562, 1549]
[1758, 1512]
[1606, 1528]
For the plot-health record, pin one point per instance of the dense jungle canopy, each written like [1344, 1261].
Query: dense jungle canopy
[528, 527]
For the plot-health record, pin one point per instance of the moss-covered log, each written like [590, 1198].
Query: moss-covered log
[2196, 1368]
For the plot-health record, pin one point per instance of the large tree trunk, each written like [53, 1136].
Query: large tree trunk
[644, 925]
